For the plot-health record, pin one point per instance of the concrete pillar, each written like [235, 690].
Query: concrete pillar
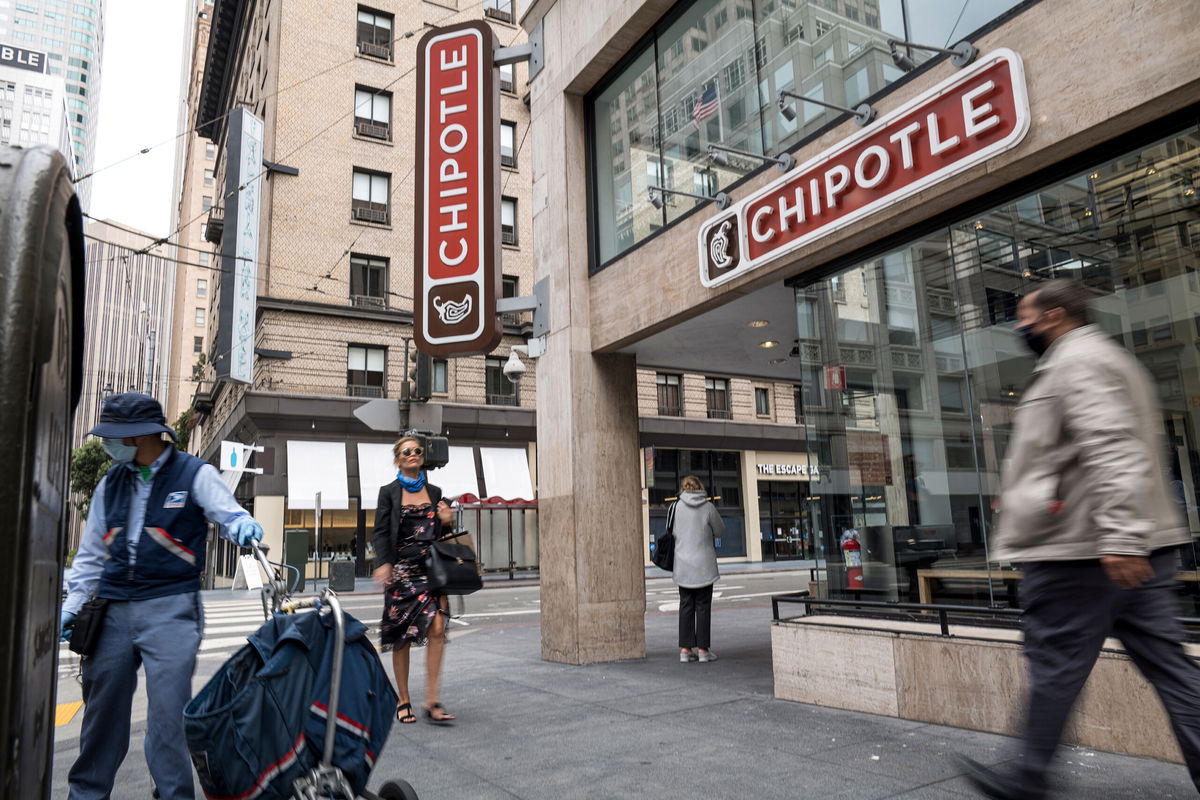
[592, 576]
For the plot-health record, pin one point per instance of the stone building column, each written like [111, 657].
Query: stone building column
[589, 496]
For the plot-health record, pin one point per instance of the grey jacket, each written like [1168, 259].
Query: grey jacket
[1086, 470]
[697, 524]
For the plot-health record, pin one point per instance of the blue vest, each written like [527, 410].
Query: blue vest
[171, 547]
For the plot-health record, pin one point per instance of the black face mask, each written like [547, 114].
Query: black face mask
[1036, 342]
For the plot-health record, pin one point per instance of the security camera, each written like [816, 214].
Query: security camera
[514, 368]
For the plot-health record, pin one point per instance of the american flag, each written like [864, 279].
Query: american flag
[706, 106]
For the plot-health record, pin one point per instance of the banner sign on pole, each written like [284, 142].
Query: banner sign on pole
[457, 245]
[239, 249]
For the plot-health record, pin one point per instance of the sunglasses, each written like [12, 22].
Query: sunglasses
[412, 451]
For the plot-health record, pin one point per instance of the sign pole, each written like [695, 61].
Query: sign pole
[317, 540]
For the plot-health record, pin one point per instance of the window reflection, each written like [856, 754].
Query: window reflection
[712, 74]
[934, 372]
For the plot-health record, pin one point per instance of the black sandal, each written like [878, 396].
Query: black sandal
[406, 719]
[446, 719]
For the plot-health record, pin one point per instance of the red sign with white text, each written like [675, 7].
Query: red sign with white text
[973, 115]
[456, 255]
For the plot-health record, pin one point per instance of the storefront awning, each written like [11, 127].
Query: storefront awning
[458, 477]
[376, 468]
[317, 467]
[506, 472]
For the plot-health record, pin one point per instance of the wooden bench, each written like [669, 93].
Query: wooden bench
[926, 577]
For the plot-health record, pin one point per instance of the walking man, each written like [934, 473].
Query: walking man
[143, 550]
[1087, 512]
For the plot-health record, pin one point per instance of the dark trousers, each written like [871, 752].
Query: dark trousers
[1069, 609]
[695, 616]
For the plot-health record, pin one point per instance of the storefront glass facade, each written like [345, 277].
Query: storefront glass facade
[721, 473]
[712, 73]
[933, 371]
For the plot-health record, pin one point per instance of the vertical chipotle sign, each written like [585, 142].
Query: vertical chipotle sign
[457, 250]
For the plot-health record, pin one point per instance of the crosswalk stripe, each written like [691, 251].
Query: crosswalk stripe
[65, 712]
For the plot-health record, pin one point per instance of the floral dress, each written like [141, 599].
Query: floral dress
[409, 607]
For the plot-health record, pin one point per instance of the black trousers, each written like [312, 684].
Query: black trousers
[695, 617]
[1069, 609]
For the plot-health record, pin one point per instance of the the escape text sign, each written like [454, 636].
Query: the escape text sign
[966, 119]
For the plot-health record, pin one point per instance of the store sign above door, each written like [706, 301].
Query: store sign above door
[457, 249]
[964, 120]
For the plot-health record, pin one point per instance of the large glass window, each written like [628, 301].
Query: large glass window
[721, 473]
[916, 440]
[712, 73]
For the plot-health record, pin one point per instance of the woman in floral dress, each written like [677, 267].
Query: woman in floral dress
[410, 516]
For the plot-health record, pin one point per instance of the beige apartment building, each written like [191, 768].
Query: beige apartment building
[334, 84]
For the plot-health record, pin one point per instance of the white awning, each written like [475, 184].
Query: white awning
[506, 472]
[376, 468]
[458, 477]
[317, 467]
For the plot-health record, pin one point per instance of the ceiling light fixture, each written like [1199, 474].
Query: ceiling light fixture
[768, 344]
[757, 323]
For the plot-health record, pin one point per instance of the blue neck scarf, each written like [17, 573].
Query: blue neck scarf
[412, 485]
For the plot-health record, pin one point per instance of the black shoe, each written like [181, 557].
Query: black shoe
[994, 784]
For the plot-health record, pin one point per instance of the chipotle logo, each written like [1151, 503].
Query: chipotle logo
[456, 254]
[964, 120]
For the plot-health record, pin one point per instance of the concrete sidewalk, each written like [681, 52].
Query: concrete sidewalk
[658, 728]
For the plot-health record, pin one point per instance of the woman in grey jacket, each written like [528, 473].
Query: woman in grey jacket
[697, 526]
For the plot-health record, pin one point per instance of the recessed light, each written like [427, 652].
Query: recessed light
[757, 323]
[978, 226]
[769, 343]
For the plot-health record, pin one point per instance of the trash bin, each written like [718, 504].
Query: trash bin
[341, 575]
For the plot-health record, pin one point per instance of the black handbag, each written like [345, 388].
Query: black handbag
[664, 547]
[451, 569]
[85, 632]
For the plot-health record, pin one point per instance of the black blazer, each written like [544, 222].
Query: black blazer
[387, 523]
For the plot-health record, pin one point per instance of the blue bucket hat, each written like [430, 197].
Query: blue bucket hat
[131, 414]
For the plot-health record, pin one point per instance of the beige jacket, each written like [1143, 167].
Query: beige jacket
[1086, 470]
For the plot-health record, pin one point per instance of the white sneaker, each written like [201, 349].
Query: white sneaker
[705, 657]
[690, 655]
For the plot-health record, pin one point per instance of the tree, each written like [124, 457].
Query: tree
[183, 429]
[89, 462]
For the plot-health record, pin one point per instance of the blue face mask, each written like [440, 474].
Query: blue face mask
[119, 452]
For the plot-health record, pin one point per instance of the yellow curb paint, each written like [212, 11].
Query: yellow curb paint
[65, 712]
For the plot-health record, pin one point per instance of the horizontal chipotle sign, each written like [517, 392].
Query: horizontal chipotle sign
[456, 255]
[970, 117]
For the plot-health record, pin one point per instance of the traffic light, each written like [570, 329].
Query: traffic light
[422, 376]
[437, 448]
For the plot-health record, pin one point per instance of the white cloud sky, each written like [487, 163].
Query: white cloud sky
[139, 107]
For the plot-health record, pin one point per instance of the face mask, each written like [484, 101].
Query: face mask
[119, 452]
[1036, 342]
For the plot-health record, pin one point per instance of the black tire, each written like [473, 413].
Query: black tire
[397, 790]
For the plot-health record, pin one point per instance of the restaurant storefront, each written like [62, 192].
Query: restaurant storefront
[876, 268]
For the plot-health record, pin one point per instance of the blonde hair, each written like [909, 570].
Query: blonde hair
[400, 444]
[691, 483]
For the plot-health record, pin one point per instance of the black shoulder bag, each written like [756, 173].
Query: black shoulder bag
[85, 631]
[451, 568]
[664, 547]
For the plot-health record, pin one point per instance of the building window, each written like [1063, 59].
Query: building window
[364, 371]
[208, 177]
[374, 33]
[373, 113]
[201, 288]
[197, 345]
[952, 394]
[210, 151]
[368, 281]
[508, 79]
[762, 402]
[205, 203]
[508, 144]
[508, 221]
[199, 320]
[370, 196]
[510, 287]
[716, 397]
[500, 390]
[441, 376]
[669, 400]
[498, 9]
[203, 255]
